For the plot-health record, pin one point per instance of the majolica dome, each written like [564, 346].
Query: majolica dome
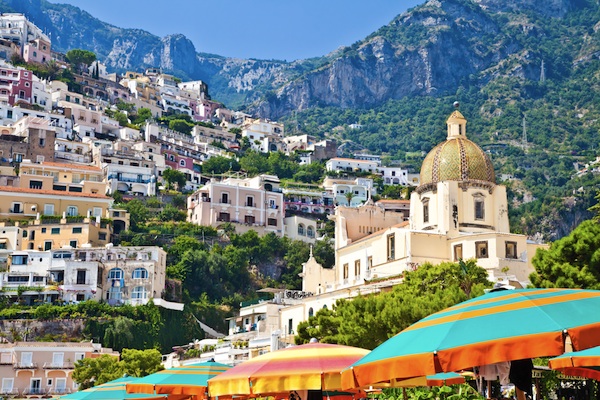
[457, 159]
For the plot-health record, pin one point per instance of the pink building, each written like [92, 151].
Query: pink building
[37, 51]
[16, 84]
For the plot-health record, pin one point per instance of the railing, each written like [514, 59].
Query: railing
[12, 211]
[32, 390]
[64, 365]
[25, 366]
[59, 391]
[132, 180]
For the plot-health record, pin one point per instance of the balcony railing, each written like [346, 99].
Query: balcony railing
[25, 366]
[64, 365]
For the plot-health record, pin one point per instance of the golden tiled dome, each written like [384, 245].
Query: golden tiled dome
[457, 159]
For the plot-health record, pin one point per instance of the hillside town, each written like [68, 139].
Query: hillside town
[65, 157]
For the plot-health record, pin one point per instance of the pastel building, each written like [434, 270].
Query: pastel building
[43, 368]
[248, 203]
[457, 212]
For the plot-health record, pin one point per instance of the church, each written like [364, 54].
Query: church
[458, 211]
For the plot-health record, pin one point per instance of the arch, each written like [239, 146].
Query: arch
[116, 273]
[140, 273]
[310, 231]
[310, 312]
[301, 230]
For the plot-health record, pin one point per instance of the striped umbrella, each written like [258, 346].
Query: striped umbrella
[112, 390]
[313, 366]
[185, 380]
[584, 363]
[496, 327]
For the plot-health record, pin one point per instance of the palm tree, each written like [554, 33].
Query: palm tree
[349, 197]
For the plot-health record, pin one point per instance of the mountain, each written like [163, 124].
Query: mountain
[526, 72]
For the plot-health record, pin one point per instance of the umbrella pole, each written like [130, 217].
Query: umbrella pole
[404, 394]
[489, 390]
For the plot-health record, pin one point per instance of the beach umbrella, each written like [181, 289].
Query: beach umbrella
[441, 379]
[112, 390]
[313, 366]
[186, 380]
[499, 326]
[585, 363]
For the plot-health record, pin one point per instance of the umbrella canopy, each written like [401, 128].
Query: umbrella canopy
[584, 363]
[441, 379]
[110, 390]
[498, 326]
[313, 366]
[187, 379]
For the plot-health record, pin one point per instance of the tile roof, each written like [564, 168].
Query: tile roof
[52, 192]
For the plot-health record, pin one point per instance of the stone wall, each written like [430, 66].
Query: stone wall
[35, 330]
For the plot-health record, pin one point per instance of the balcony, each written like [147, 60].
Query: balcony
[64, 365]
[25, 366]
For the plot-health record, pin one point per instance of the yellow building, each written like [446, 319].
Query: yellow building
[457, 212]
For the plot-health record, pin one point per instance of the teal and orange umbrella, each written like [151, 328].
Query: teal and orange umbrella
[184, 380]
[112, 390]
[313, 366]
[496, 327]
[585, 363]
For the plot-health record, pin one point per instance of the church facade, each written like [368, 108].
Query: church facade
[457, 212]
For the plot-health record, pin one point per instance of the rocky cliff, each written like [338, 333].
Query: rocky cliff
[429, 50]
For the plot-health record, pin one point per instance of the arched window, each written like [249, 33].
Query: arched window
[310, 312]
[140, 273]
[139, 292]
[182, 163]
[115, 273]
[479, 207]
[425, 211]
[301, 230]
[310, 231]
[72, 211]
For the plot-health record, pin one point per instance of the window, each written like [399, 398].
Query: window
[42, 142]
[481, 249]
[272, 222]
[72, 211]
[81, 276]
[101, 236]
[223, 217]
[115, 273]
[73, 243]
[77, 230]
[7, 385]
[479, 208]
[48, 209]
[425, 211]
[511, 249]
[249, 219]
[391, 247]
[301, 230]
[345, 271]
[182, 163]
[357, 268]
[47, 245]
[19, 260]
[139, 292]
[458, 252]
[249, 201]
[369, 262]
[61, 385]
[140, 273]
[35, 184]
[310, 231]
[55, 231]
[97, 212]
[310, 312]
[27, 359]
[225, 198]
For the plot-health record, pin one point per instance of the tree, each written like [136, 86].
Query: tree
[96, 371]
[90, 372]
[368, 321]
[80, 59]
[570, 262]
[138, 213]
[219, 165]
[141, 362]
[181, 125]
[174, 177]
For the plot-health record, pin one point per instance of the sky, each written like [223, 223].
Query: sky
[262, 29]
